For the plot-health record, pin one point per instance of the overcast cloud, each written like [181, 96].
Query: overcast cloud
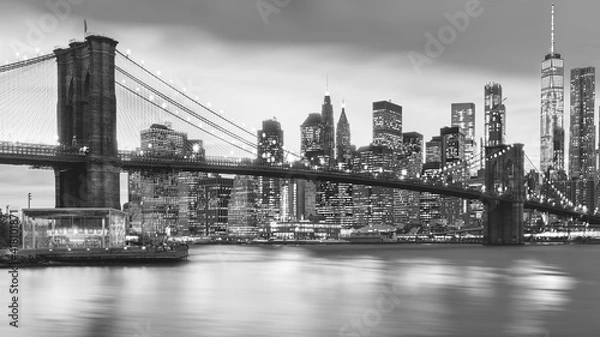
[255, 71]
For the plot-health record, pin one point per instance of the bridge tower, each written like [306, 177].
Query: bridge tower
[87, 117]
[504, 176]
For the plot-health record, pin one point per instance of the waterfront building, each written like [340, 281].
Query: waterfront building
[299, 230]
[306, 196]
[244, 206]
[161, 200]
[214, 193]
[74, 228]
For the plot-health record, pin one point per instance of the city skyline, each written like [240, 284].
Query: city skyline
[299, 167]
[389, 62]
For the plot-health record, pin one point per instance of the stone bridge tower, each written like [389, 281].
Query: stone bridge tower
[504, 176]
[87, 117]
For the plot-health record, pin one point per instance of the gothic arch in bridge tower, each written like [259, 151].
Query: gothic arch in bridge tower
[510, 176]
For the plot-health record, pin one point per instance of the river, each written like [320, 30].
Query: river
[350, 290]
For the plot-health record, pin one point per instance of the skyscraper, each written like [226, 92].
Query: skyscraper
[158, 200]
[243, 216]
[463, 116]
[433, 150]
[552, 134]
[374, 205]
[214, 193]
[387, 125]
[270, 143]
[328, 131]
[343, 206]
[270, 152]
[343, 142]
[406, 203]
[453, 145]
[429, 203]
[495, 116]
[311, 139]
[582, 140]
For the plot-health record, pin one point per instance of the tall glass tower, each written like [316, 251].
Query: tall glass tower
[495, 115]
[387, 125]
[582, 140]
[552, 133]
[463, 116]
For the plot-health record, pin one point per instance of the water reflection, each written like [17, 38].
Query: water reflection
[539, 290]
[325, 291]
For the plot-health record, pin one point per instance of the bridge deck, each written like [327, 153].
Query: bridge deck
[39, 155]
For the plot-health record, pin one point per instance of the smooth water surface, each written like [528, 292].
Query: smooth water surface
[350, 290]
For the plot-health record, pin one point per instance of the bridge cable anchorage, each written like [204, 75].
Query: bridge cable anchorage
[179, 105]
[125, 57]
[182, 119]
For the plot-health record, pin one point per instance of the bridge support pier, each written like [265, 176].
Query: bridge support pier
[87, 119]
[504, 176]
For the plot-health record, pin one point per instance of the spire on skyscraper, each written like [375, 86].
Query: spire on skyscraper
[552, 32]
[328, 128]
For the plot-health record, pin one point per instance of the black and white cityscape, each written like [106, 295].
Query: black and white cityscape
[306, 168]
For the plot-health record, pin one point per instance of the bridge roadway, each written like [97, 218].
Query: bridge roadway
[51, 156]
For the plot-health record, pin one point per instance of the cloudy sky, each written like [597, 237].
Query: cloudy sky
[256, 59]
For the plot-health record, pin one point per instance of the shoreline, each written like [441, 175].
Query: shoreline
[135, 256]
[94, 256]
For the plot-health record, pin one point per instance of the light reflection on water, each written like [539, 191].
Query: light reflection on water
[321, 291]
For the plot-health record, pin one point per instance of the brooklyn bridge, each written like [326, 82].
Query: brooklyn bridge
[86, 99]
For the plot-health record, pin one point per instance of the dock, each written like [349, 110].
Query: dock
[98, 256]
